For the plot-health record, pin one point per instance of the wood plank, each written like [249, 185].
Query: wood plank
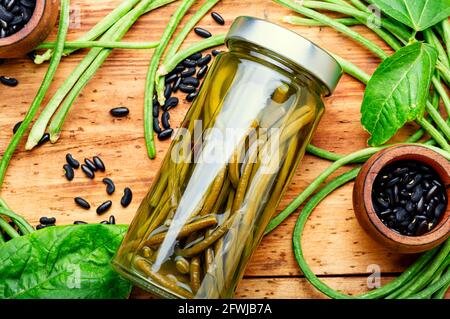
[34, 187]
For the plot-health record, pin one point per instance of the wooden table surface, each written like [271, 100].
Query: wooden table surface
[335, 245]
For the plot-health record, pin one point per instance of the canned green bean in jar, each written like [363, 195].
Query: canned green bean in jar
[229, 163]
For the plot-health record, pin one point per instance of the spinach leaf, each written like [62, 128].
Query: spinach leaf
[397, 91]
[418, 14]
[63, 262]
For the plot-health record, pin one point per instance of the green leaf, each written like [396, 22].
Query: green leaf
[397, 91]
[418, 14]
[63, 262]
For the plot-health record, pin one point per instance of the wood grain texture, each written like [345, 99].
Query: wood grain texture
[333, 241]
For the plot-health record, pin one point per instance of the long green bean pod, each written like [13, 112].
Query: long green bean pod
[101, 44]
[8, 229]
[313, 23]
[151, 74]
[56, 58]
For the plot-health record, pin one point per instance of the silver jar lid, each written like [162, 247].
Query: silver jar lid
[289, 45]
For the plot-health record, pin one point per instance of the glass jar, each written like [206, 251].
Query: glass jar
[229, 163]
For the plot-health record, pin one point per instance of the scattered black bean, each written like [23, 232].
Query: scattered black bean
[171, 102]
[218, 18]
[69, 173]
[156, 126]
[215, 52]
[205, 60]
[155, 110]
[44, 139]
[110, 187]
[202, 72]
[176, 85]
[112, 220]
[167, 91]
[90, 164]
[178, 69]
[99, 164]
[12, 82]
[195, 56]
[189, 63]
[202, 32]
[165, 120]
[39, 227]
[16, 127]
[86, 170]
[82, 203]
[103, 208]
[79, 222]
[188, 72]
[47, 220]
[170, 78]
[409, 197]
[191, 96]
[120, 111]
[191, 81]
[187, 88]
[127, 197]
[166, 134]
[72, 161]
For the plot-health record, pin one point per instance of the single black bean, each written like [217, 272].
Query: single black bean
[417, 193]
[99, 164]
[216, 52]
[170, 78]
[176, 85]
[72, 161]
[420, 205]
[32, 55]
[38, 227]
[204, 61]
[86, 170]
[400, 171]
[171, 102]
[120, 111]
[218, 18]
[202, 32]
[191, 96]
[414, 181]
[104, 222]
[155, 110]
[195, 56]
[396, 194]
[189, 63]
[16, 127]
[103, 208]
[47, 220]
[410, 206]
[426, 184]
[166, 134]
[110, 187]
[167, 91]
[393, 181]
[165, 120]
[422, 228]
[82, 203]
[187, 88]
[112, 220]
[68, 172]
[187, 73]
[44, 139]
[90, 164]
[178, 69]
[390, 196]
[156, 126]
[439, 211]
[382, 202]
[401, 214]
[127, 197]
[437, 183]
[202, 72]
[433, 190]
[79, 222]
[191, 81]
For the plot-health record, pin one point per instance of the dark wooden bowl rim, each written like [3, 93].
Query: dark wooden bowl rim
[408, 152]
[28, 28]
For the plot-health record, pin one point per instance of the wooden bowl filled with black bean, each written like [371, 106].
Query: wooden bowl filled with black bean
[401, 196]
[24, 24]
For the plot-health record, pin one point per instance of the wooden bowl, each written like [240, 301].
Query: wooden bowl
[33, 33]
[365, 211]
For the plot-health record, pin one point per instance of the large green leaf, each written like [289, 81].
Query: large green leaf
[397, 91]
[63, 262]
[418, 14]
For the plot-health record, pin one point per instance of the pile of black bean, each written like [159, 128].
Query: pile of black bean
[89, 168]
[409, 197]
[185, 77]
[14, 15]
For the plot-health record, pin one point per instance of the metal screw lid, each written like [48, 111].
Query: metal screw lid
[289, 45]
